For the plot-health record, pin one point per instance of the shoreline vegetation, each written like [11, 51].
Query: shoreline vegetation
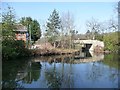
[55, 51]
[21, 52]
[58, 33]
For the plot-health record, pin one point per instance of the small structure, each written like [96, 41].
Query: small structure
[90, 45]
[21, 32]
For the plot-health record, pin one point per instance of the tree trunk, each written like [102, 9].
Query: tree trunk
[54, 45]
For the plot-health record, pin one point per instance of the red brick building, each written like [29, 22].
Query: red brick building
[21, 32]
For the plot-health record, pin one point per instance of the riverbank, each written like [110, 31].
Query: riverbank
[60, 51]
[106, 51]
[53, 51]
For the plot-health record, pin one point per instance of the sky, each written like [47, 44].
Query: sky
[81, 11]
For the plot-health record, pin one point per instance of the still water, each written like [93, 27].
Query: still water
[84, 70]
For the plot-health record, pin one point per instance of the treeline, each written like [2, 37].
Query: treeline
[104, 31]
[58, 30]
[110, 39]
[12, 48]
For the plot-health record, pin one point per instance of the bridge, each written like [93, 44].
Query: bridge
[89, 44]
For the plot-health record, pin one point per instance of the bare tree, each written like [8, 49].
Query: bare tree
[113, 26]
[93, 26]
[67, 24]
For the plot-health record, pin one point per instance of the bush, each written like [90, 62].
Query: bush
[111, 41]
[13, 49]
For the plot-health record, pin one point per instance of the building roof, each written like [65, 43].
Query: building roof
[21, 28]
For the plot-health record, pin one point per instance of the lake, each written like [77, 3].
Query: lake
[83, 70]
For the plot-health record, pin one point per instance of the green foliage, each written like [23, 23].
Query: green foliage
[111, 41]
[35, 30]
[53, 79]
[8, 23]
[10, 69]
[53, 25]
[10, 47]
[33, 72]
[110, 58]
[33, 27]
[26, 21]
[13, 49]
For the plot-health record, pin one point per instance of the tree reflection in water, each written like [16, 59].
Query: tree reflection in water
[20, 70]
[108, 67]
[53, 78]
[95, 72]
[58, 77]
[114, 63]
[33, 72]
[9, 72]
[62, 72]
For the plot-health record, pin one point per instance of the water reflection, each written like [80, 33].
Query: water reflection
[53, 78]
[81, 57]
[83, 70]
[100, 75]
[33, 73]
[10, 69]
[14, 71]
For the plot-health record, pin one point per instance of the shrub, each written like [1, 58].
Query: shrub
[13, 49]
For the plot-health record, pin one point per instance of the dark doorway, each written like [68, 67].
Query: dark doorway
[86, 47]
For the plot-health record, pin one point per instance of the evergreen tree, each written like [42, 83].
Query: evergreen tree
[35, 30]
[8, 23]
[53, 26]
[33, 27]
[11, 48]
